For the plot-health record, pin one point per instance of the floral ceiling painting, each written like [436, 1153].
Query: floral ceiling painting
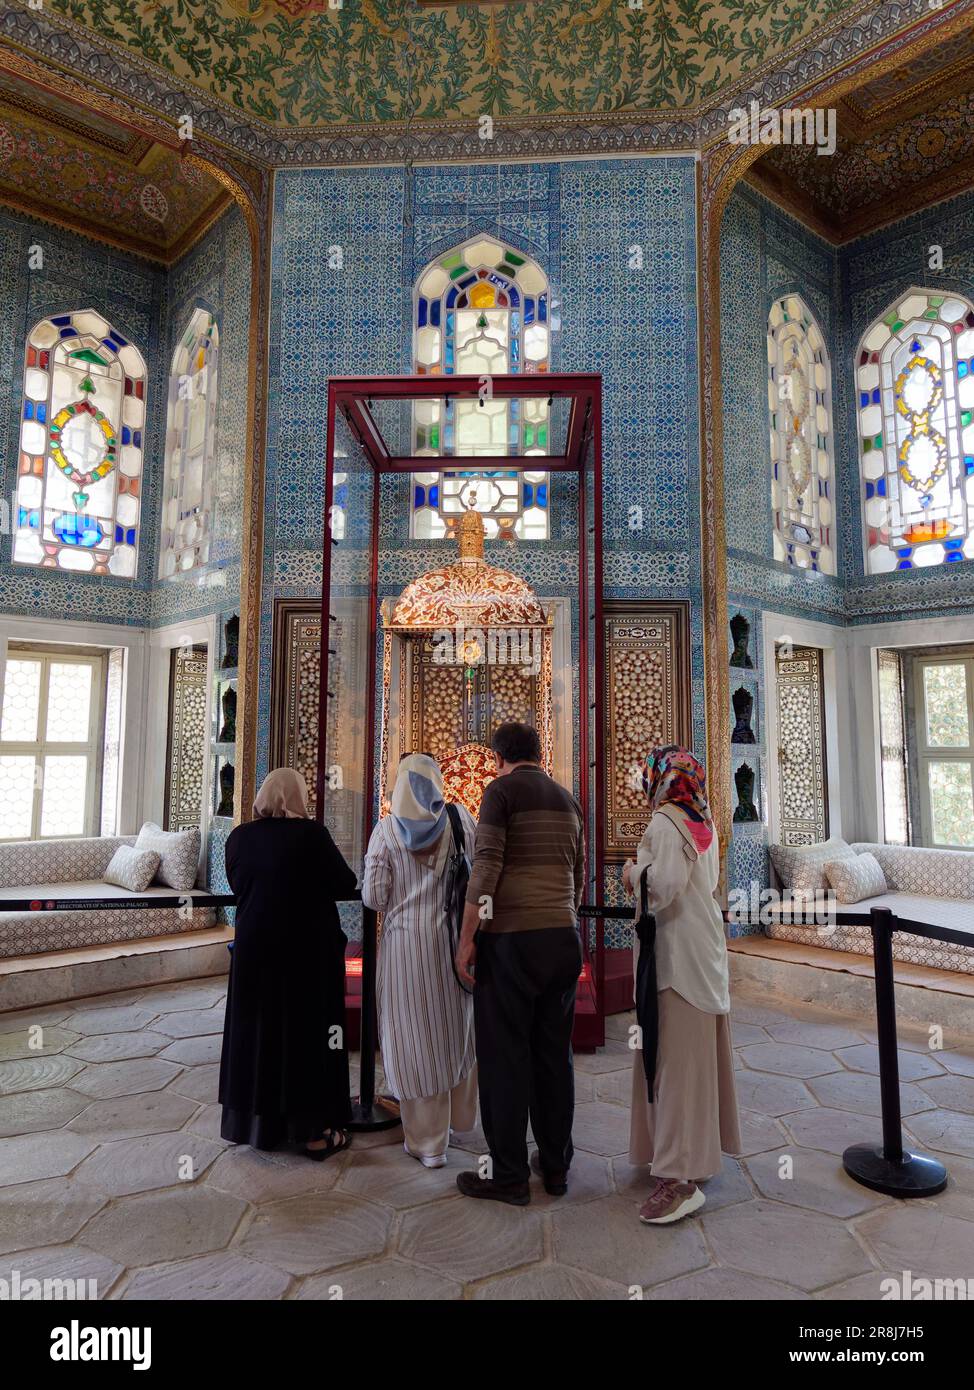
[337, 62]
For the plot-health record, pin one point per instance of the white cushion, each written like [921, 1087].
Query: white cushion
[803, 866]
[178, 851]
[853, 876]
[132, 868]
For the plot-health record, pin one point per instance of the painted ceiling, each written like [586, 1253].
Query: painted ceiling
[905, 140]
[58, 160]
[303, 63]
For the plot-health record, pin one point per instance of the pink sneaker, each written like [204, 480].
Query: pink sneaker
[670, 1201]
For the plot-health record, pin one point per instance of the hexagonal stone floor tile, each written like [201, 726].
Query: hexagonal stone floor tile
[46, 1016]
[545, 1283]
[226, 1276]
[615, 1087]
[808, 1033]
[787, 1059]
[37, 1073]
[110, 1018]
[759, 1132]
[948, 1130]
[121, 1117]
[382, 1280]
[21, 1043]
[198, 1083]
[918, 1237]
[743, 1034]
[864, 1286]
[194, 994]
[859, 1091]
[194, 1052]
[608, 1239]
[323, 1231]
[270, 1177]
[148, 1161]
[103, 1079]
[818, 1182]
[729, 1284]
[601, 1128]
[44, 1213]
[191, 1023]
[29, 1111]
[168, 1225]
[772, 1095]
[392, 1176]
[118, 1047]
[788, 1246]
[50, 1154]
[80, 1272]
[912, 1065]
[950, 1092]
[471, 1239]
[961, 1063]
[834, 1130]
[207, 1123]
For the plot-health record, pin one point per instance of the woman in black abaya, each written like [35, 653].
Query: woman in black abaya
[284, 1068]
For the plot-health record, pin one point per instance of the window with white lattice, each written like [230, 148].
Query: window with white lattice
[51, 730]
[944, 736]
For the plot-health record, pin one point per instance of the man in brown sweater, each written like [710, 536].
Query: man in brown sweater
[525, 888]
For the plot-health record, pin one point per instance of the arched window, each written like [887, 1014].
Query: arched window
[915, 384]
[187, 499]
[800, 406]
[79, 473]
[482, 309]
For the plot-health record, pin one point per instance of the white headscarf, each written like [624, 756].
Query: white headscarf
[418, 806]
[283, 792]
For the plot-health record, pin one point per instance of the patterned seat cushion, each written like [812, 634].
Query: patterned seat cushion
[178, 851]
[802, 867]
[939, 873]
[36, 933]
[57, 861]
[854, 877]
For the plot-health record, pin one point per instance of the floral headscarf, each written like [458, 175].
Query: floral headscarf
[675, 782]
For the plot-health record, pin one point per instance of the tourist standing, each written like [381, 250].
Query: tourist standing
[284, 1068]
[693, 1113]
[425, 1016]
[522, 902]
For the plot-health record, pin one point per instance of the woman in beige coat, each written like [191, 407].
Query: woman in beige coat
[693, 1113]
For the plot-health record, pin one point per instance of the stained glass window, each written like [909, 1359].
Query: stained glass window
[187, 502]
[800, 407]
[482, 309]
[80, 461]
[915, 386]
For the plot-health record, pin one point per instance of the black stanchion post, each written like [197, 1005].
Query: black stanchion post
[887, 1168]
[367, 1114]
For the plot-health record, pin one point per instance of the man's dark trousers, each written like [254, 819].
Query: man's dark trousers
[524, 1008]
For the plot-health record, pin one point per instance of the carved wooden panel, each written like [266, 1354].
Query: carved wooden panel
[802, 786]
[646, 705]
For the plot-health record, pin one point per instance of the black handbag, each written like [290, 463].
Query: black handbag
[457, 879]
[647, 1000]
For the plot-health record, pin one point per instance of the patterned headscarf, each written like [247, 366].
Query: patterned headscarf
[675, 782]
[418, 807]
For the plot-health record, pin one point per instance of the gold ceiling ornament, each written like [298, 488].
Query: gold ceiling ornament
[467, 593]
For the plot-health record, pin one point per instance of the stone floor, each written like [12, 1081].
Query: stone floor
[112, 1168]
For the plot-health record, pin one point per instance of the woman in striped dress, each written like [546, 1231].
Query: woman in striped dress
[425, 1017]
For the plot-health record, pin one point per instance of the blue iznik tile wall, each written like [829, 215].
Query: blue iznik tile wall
[617, 241]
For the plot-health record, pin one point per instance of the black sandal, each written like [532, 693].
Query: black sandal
[333, 1145]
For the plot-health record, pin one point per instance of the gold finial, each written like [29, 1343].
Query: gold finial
[470, 536]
